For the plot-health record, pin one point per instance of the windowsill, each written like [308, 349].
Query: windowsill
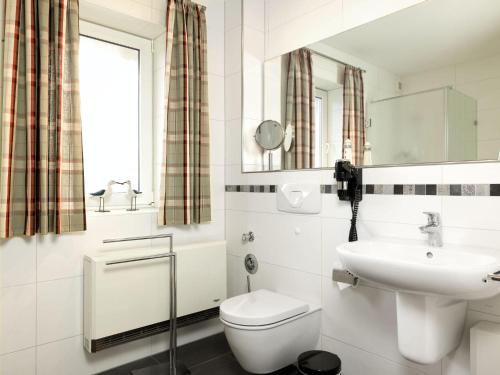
[114, 211]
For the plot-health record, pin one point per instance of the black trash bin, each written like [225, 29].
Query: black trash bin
[319, 362]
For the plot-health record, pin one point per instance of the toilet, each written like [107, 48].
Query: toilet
[267, 331]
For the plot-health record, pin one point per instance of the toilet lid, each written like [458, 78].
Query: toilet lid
[261, 307]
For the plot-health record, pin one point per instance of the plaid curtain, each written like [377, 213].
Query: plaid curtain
[300, 110]
[354, 112]
[185, 180]
[41, 168]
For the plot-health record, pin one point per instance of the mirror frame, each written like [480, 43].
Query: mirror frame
[242, 69]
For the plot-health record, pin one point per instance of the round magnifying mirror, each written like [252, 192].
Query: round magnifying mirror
[269, 135]
[287, 143]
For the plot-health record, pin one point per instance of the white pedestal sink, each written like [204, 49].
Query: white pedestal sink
[432, 287]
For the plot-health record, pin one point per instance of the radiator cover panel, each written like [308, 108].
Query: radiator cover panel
[130, 301]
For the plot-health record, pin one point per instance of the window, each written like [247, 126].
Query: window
[116, 105]
[321, 128]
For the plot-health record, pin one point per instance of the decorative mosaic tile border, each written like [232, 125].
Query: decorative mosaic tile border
[467, 190]
[251, 188]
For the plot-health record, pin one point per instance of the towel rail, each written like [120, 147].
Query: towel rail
[173, 288]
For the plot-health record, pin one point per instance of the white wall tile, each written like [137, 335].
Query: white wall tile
[218, 187]
[232, 14]
[298, 245]
[233, 51]
[458, 362]
[217, 142]
[18, 363]
[216, 97]
[62, 256]
[215, 15]
[479, 70]
[59, 309]
[429, 174]
[233, 97]
[254, 11]
[357, 361]
[69, 357]
[213, 231]
[428, 80]
[261, 202]
[233, 147]
[18, 318]
[301, 285]
[215, 51]
[333, 233]
[471, 173]
[477, 213]
[398, 208]
[18, 261]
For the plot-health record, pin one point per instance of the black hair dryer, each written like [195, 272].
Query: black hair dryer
[349, 181]
[350, 188]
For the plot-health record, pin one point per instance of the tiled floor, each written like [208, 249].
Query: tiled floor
[209, 356]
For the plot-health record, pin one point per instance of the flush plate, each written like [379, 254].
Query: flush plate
[301, 198]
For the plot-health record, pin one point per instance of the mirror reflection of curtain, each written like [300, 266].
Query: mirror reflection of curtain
[300, 110]
[185, 181]
[354, 112]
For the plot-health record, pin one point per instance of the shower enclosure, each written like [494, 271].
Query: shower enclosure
[429, 126]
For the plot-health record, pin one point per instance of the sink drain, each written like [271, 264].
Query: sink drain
[430, 255]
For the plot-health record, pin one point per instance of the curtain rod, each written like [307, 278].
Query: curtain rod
[334, 59]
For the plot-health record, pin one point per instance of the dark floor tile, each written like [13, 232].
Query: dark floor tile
[129, 367]
[199, 351]
[160, 369]
[228, 365]
[290, 370]
[223, 365]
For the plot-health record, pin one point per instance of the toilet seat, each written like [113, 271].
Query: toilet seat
[261, 308]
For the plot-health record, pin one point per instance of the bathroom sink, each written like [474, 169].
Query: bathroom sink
[452, 271]
[432, 285]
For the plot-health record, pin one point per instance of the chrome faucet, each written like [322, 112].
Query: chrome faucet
[433, 229]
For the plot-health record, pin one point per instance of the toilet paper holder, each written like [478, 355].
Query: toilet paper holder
[495, 276]
[344, 276]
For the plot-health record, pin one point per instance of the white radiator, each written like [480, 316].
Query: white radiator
[128, 301]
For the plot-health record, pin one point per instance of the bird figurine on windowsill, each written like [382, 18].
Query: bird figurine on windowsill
[103, 194]
[132, 195]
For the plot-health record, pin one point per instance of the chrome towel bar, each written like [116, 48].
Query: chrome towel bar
[152, 237]
[173, 287]
[139, 259]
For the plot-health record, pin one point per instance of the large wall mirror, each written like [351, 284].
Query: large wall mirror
[421, 85]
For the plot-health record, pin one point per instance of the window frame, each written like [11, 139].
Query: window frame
[145, 133]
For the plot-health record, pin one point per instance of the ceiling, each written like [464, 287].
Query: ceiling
[433, 34]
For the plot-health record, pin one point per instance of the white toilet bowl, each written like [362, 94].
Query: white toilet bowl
[267, 331]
